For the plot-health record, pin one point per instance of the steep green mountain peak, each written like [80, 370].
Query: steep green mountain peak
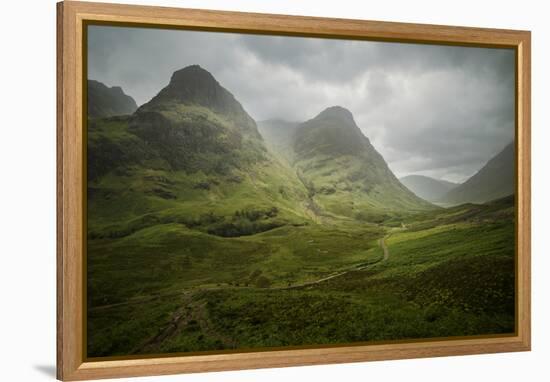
[331, 132]
[196, 86]
[339, 115]
[198, 125]
[344, 171]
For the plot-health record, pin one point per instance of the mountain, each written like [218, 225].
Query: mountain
[196, 124]
[344, 172]
[195, 86]
[192, 155]
[278, 135]
[104, 101]
[495, 180]
[427, 188]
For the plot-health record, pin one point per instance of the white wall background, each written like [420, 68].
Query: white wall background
[27, 188]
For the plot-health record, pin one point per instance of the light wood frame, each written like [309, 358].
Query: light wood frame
[72, 16]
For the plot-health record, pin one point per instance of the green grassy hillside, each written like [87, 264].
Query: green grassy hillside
[171, 289]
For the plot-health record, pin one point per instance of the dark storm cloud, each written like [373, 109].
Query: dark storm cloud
[435, 110]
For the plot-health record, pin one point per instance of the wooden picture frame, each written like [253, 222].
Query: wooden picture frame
[71, 195]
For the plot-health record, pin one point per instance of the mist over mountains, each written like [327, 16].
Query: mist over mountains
[427, 188]
[279, 135]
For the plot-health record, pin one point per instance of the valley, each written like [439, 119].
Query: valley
[207, 233]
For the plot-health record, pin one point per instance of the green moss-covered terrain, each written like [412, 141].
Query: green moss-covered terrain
[202, 236]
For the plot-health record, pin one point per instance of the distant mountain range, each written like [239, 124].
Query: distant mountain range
[430, 189]
[104, 101]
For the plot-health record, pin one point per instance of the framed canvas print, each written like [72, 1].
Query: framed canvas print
[247, 190]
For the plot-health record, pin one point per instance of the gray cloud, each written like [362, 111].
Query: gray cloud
[435, 110]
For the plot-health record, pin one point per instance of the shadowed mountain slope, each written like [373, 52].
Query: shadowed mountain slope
[494, 180]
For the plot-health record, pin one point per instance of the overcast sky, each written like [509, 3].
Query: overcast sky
[432, 110]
